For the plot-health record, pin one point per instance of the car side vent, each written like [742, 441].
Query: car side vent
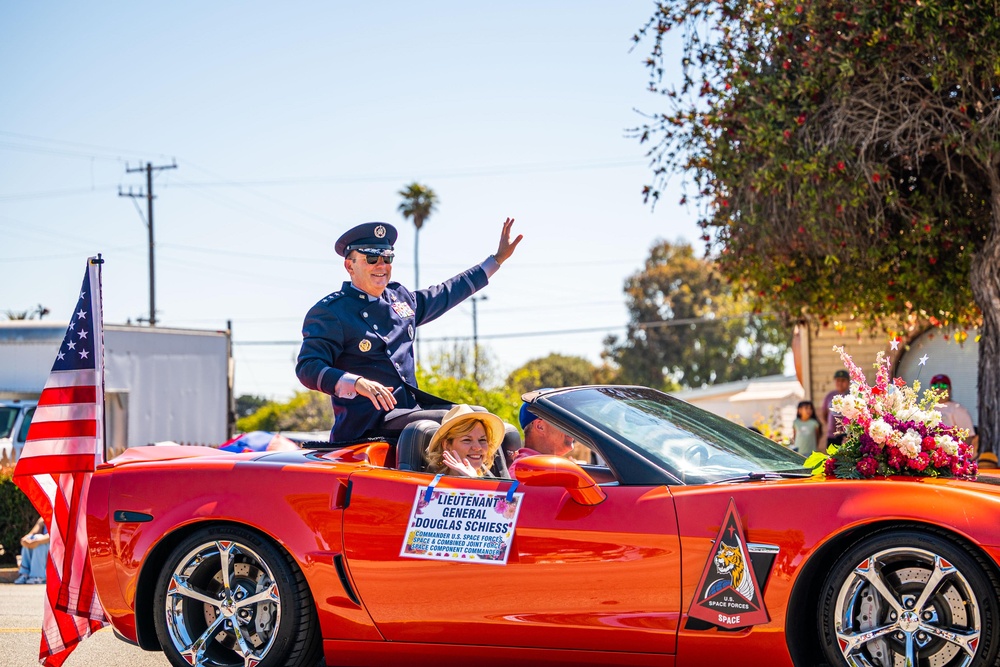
[338, 562]
[125, 516]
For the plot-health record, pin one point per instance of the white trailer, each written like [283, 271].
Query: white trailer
[160, 384]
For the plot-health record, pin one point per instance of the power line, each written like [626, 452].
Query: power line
[554, 332]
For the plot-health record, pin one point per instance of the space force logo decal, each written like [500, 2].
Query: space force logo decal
[728, 594]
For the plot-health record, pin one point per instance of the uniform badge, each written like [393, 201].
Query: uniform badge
[728, 594]
[402, 309]
[365, 345]
[409, 330]
[380, 231]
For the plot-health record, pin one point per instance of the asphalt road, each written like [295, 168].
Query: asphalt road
[20, 634]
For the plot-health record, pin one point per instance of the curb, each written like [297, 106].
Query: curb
[8, 575]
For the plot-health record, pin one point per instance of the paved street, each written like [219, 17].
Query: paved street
[20, 623]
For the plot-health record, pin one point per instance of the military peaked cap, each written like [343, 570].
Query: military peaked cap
[374, 235]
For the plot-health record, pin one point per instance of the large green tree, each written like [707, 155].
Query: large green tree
[687, 327]
[556, 370]
[847, 157]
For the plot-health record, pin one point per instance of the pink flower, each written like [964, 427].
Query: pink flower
[829, 467]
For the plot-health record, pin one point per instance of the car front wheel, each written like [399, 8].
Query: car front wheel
[229, 598]
[909, 598]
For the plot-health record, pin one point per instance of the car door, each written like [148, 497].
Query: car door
[602, 577]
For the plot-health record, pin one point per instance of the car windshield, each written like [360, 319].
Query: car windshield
[7, 417]
[697, 446]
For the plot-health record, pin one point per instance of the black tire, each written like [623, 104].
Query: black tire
[263, 610]
[874, 609]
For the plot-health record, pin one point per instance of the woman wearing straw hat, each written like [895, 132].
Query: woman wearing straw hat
[466, 443]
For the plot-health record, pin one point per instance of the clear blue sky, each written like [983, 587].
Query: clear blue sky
[291, 122]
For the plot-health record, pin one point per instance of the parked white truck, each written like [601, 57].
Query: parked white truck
[159, 384]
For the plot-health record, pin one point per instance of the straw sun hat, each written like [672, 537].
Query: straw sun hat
[462, 413]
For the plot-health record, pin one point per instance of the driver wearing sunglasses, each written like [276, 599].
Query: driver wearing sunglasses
[357, 343]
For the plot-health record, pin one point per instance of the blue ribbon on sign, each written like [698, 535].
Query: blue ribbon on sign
[430, 489]
[510, 491]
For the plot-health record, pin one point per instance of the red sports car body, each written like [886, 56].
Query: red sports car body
[687, 541]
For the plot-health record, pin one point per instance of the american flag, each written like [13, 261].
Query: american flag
[65, 443]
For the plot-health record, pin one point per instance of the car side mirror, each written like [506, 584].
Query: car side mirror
[556, 471]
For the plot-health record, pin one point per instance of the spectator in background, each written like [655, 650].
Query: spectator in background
[806, 428]
[834, 429]
[952, 412]
[34, 555]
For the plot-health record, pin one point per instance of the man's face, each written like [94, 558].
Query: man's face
[369, 278]
[545, 438]
[842, 384]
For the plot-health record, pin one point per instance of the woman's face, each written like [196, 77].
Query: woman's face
[471, 446]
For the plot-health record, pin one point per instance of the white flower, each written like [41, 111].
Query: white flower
[847, 405]
[909, 444]
[933, 418]
[947, 443]
[879, 431]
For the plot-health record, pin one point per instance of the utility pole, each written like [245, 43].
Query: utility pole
[475, 337]
[149, 169]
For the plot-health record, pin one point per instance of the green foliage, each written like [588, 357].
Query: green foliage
[443, 377]
[845, 152]
[419, 201]
[247, 404]
[17, 516]
[306, 411]
[687, 326]
[555, 370]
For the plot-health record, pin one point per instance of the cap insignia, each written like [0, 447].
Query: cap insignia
[380, 231]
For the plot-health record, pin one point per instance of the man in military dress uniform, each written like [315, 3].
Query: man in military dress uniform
[357, 343]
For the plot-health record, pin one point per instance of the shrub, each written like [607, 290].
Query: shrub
[17, 516]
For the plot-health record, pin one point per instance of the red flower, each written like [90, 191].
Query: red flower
[838, 16]
[878, 391]
[899, 382]
[940, 458]
[787, 133]
[876, 178]
[802, 230]
[801, 119]
[798, 9]
[787, 64]
[920, 462]
[932, 260]
[841, 166]
[829, 467]
[867, 466]
[929, 443]
[927, 228]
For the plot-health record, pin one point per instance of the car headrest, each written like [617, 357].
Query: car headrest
[412, 444]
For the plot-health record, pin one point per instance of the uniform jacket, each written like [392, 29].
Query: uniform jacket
[347, 333]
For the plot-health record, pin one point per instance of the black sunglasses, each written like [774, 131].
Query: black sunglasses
[372, 256]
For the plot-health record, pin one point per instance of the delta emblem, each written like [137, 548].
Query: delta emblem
[728, 594]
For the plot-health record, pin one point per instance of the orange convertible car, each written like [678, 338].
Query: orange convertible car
[687, 540]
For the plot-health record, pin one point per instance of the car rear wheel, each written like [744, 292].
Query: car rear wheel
[909, 598]
[228, 598]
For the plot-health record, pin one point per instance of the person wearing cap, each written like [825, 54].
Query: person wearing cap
[466, 444]
[952, 412]
[541, 437]
[829, 416]
[357, 342]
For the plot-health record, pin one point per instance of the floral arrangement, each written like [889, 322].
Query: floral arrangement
[889, 432]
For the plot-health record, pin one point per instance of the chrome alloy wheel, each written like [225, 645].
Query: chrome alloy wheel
[907, 606]
[222, 605]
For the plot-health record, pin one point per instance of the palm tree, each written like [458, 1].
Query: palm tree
[419, 201]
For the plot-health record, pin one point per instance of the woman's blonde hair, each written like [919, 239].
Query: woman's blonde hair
[436, 450]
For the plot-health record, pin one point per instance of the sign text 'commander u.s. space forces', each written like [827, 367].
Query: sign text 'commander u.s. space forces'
[461, 525]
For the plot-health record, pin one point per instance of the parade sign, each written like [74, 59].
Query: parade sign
[461, 525]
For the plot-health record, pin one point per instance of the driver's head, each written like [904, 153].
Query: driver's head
[543, 436]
